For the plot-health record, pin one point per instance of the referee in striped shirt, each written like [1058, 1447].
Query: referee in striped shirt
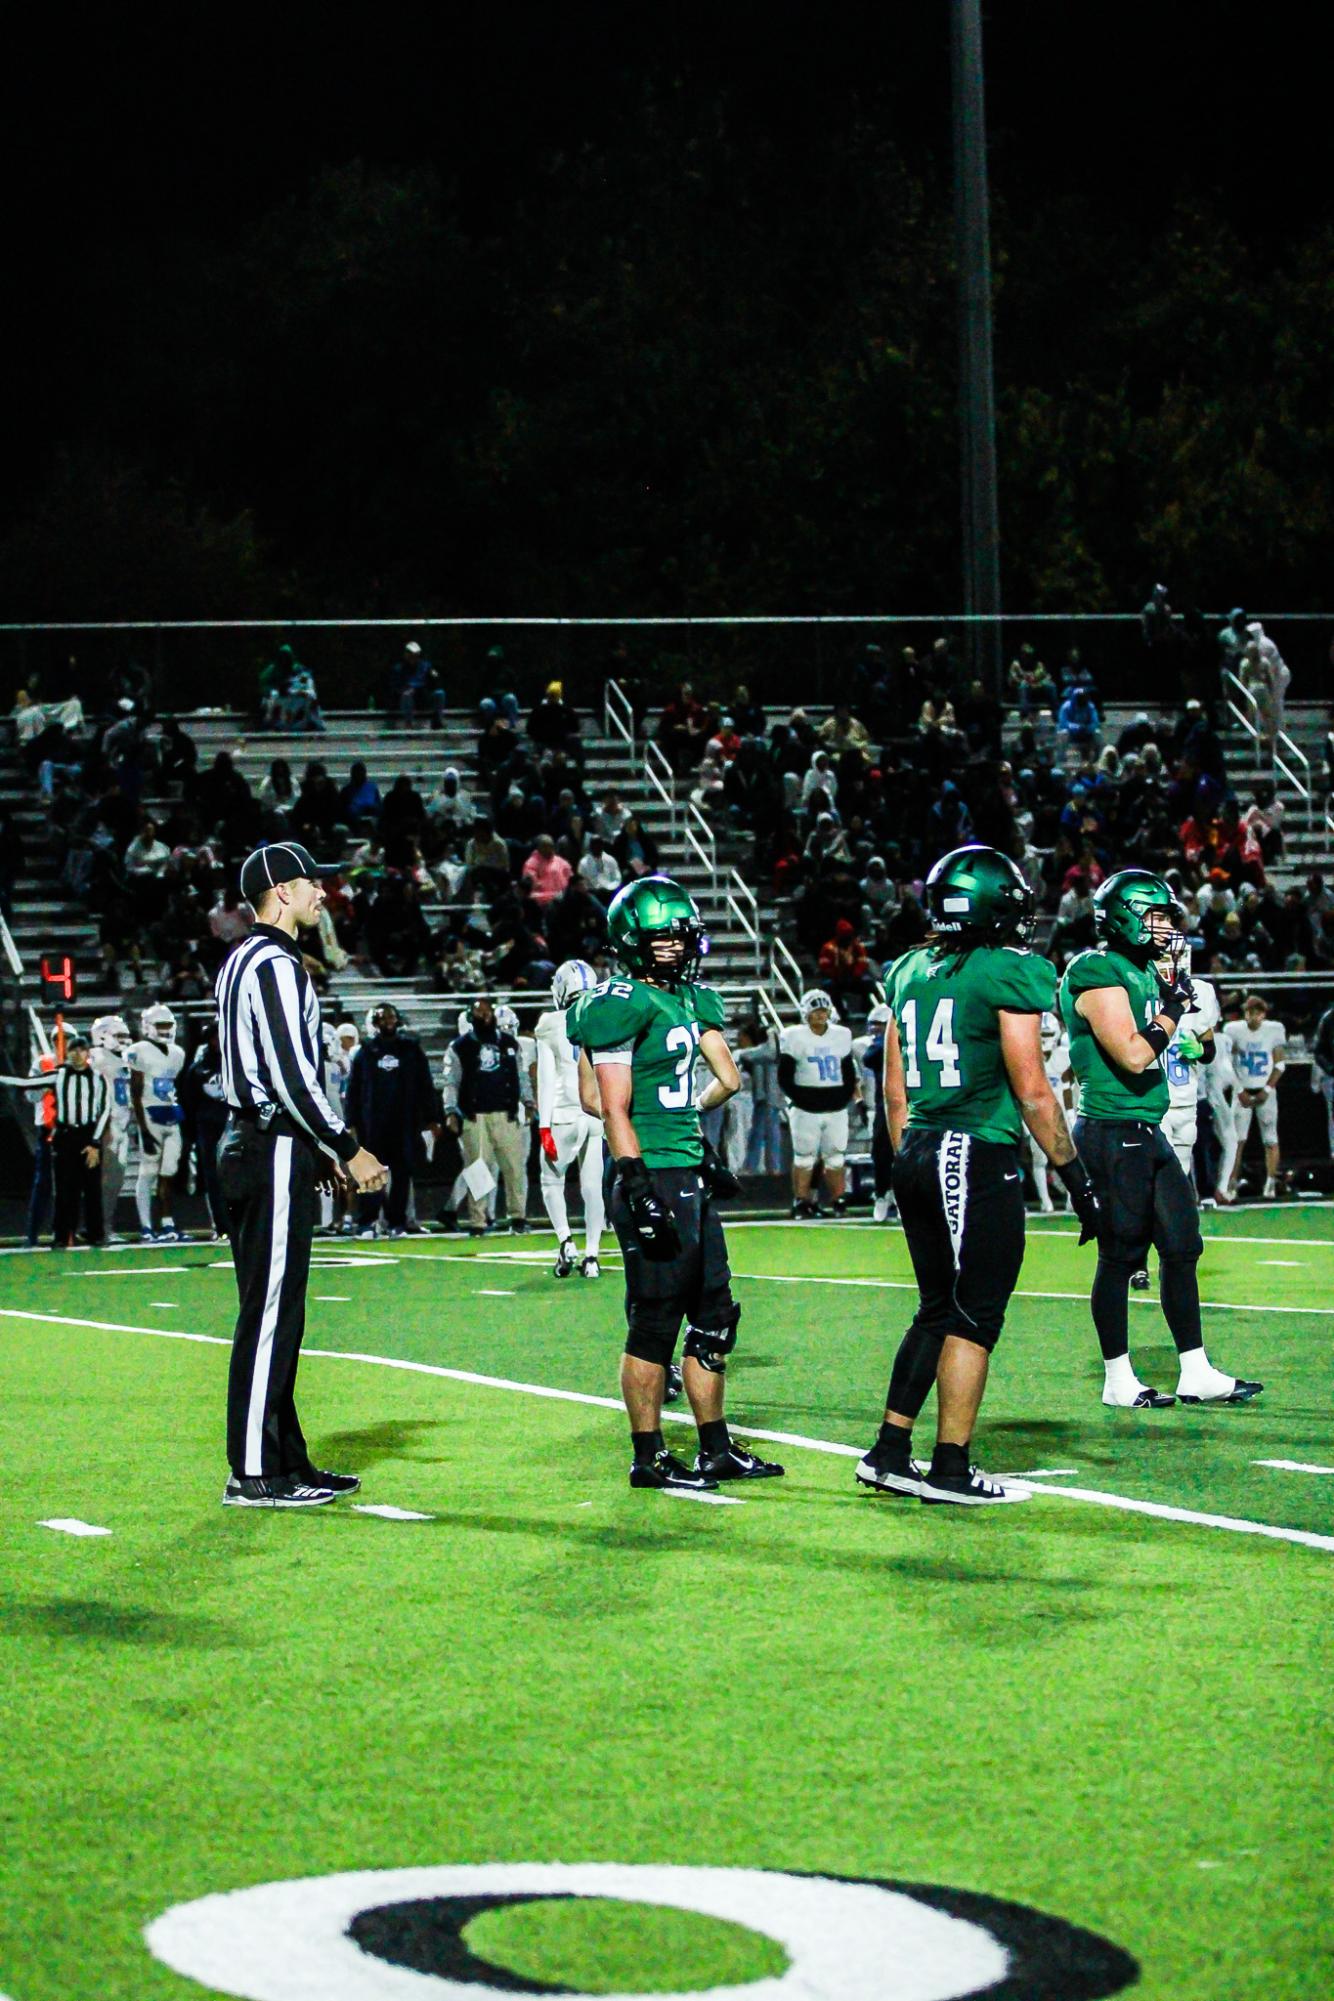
[83, 1107]
[283, 1142]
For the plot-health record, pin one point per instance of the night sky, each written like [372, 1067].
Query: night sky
[128, 136]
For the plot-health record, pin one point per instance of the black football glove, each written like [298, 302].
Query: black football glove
[1083, 1198]
[655, 1226]
[717, 1176]
[1179, 987]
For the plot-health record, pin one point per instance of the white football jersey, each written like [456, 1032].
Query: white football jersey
[159, 1067]
[1183, 1083]
[819, 1058]
[111, 1064]
[337, 1070]
[1253, 1051]
[557, 1071]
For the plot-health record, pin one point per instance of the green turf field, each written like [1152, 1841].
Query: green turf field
[1117, 1718]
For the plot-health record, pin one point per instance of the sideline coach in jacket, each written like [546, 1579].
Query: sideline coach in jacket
[282, 1142]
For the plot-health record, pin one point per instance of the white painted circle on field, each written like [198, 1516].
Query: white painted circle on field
[844, 1941]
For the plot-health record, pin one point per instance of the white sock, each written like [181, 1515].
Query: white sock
[595, 1210]
[1038, 1162]
[1120, 1377]
[143, 1201]
[1199, 1377]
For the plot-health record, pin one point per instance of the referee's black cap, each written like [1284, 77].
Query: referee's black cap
[279, 861]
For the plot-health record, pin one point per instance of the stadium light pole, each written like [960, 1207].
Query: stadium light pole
[980, 515]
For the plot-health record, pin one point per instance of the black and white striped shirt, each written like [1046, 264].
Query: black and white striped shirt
[269, 1030]
[82, 1099]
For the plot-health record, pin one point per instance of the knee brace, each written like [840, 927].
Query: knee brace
[834, 1162]
[805, 1161]
[710, 1346]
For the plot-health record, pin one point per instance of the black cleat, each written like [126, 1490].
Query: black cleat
[901, 1475]
[735, 1463]
[664, 1469]
[1241, 1392]
[804, 1212]
[675, 1389]
[968, 1490]
[589, 1267]
[337, 1483]
[1139, 1281]
[281, 1490]
[566, 1259]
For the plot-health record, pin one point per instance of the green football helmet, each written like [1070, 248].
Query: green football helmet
[648, 912]
[1122, 908]
[979, 896]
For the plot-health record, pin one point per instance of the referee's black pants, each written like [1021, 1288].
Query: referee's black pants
[269, 1181]
[76, 1183]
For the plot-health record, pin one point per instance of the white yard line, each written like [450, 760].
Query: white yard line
[143, 1271]
[1292, 1466]
[71, 1525]
[388, 1514]
[1095, 1498]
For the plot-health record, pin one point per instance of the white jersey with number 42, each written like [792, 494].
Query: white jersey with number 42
[1253, 1051]
[1183, 1084]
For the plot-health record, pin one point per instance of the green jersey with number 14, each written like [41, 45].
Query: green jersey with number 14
[655, 1030]
[947, 1005]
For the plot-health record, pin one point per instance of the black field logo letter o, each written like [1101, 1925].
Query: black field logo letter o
[398, 1935]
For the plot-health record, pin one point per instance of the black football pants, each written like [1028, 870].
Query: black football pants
[1146, 1199]
[268, 1180]
[76, 1183]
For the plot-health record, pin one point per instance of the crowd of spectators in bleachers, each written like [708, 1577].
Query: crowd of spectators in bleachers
[489, 875]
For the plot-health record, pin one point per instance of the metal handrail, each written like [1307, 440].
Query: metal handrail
[10, 949]
[655, 765]
[737, 897]
[38, 1031]
[778, 973]
[618, 716]
[776, 1019]
[1251, 727]
[1295, 750]
[704, 841]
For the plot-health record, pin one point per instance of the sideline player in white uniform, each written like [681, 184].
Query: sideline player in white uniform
[1061, 1077]
[1259, 1052]
[111, 1039]
[1193, 1047]
[1217, 1086]
[819, 1080]
[341, 1044]
[155, 1063]
[565, 1130]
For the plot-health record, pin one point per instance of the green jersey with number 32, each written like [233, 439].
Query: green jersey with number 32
[655, 1030]
[947, 1005]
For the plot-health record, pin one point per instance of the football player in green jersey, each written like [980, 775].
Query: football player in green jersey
[964, 1072]
[1121, 1013]
[639, 1038]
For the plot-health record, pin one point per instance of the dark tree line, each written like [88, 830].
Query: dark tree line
[682, 369]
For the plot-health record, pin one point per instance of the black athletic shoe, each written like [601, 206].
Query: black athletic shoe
[1241, 1392]
[735, 1463]
[566, 1259]
[840, 1205]
[1139, 1281]
[675, 1389]
[900, 1475]
[967, 1490]
[518, 1225]
[338, 1483]
[664, 1469]
[283, 1490]
[804, 1212]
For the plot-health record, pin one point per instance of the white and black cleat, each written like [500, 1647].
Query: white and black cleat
[666, 1470]
[282, 1490]
[1139, 1281]
[1238, 1390]
[589, 1267]
[1138, 1397]
[567, 1257]
[968, 1490]
[900, 1476]
[676, 1387]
